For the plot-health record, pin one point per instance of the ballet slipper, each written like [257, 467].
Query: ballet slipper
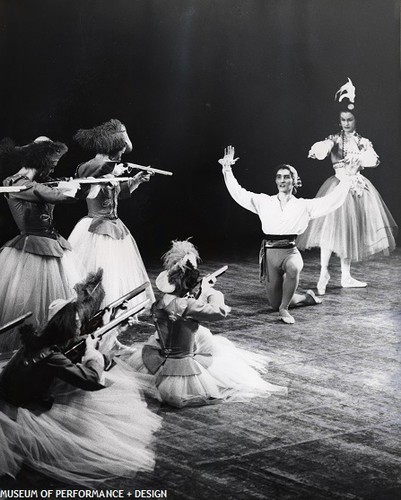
[350, 282]
[286, 317]
[315, 300]
[322, 283]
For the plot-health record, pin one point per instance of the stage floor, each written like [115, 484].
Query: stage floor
[338, 432]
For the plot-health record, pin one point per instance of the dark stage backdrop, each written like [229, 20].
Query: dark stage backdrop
[189, 77]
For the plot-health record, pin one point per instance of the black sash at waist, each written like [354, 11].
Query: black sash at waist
[279, 240]
[276, 237]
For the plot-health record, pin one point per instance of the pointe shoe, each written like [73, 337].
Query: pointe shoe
[322, 283]
[286, 317]
[315, 299]
[350, 282]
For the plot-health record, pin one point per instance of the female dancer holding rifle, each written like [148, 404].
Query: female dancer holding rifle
[72, 421]
[37, 266]
[101, 239]
[184, 363]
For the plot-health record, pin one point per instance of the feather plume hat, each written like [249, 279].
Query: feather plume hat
[345, 96]
[109, 137]
[182, 255]
[90, 295]
[36, 154]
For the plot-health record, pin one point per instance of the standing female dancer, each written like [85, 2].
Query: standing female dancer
[363, 225]
[71, 421]
[185, 364]
[37, 266]
[283, 217]
[101, 239]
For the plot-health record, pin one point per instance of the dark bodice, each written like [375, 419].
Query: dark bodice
[177, 320]
[27, 379]
[32, 211]
[178, 334]
[103, 208]
[105, 204]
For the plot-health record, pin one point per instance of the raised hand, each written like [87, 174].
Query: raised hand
[228, 158]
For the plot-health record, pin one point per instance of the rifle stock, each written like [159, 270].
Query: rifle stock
[15, 322]
[100, 332]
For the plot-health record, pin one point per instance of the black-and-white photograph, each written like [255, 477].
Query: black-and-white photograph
[199, 250]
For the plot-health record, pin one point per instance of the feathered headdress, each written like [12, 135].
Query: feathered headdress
[36, 154]
[346, 91]
[108, 137]
[90, 295]
[183, 255]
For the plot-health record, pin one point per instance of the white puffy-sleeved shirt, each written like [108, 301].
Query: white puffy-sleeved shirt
[294, 217]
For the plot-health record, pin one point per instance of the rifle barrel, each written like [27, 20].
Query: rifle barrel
[91, 180]
[219, 271]
[149, 169]
[128, 296]
[13, 189]
[116, 303]
[208, 277]
[215, 274]
[98, 334]
[15, 322]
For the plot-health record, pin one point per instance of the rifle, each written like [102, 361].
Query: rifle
[132, 166]
[100, 332]
[15, 322]
[209, 278]
[88, 180]
[95, 321]
[13, 189]
[103, 180]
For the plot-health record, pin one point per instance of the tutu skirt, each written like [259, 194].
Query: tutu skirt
[30, 282]
[233, 375]
[123, 268]
[361, 227]
[86, 438]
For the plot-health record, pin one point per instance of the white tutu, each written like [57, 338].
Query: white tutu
[123, 268]
[233, 375]
[86, 438]
[30, 282]
[361, 227]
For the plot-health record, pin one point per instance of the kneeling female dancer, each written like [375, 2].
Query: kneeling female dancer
[71, 421]
[185, 364]
[283, 217]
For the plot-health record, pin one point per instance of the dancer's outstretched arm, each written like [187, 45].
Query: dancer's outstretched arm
[326, 204]
[243, 197]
